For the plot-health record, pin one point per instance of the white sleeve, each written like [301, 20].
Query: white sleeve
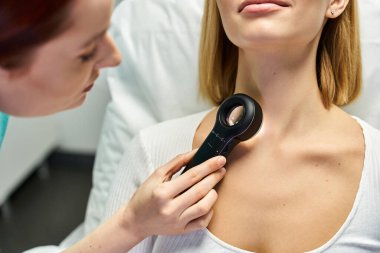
[134, 168]
[46, 249]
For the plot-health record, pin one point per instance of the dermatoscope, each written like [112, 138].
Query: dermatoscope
[239, 118]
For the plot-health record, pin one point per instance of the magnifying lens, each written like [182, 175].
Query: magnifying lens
[239, 118]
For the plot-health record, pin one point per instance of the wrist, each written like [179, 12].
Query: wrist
[118, 234]
[130, 225]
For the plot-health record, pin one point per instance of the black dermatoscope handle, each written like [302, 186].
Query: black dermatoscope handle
[239, 118]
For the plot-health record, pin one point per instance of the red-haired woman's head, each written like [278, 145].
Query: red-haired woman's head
[27, 24]
[51, 53]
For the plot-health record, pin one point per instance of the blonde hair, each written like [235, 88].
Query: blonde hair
[339, 70]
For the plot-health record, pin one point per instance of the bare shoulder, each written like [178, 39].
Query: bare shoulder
[347, 130]
[345, 140]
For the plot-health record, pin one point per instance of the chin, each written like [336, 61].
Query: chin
[26, 111]
[76, 103]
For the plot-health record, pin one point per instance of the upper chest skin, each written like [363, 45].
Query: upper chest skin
[287, 197]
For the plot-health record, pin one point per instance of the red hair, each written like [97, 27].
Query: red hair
[24, 25]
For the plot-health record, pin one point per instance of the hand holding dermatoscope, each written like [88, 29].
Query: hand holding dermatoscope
[239, 118]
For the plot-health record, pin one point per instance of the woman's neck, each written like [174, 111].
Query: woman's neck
[285, 84]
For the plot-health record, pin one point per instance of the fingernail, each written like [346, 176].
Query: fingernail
[221, 161]
[223, 170]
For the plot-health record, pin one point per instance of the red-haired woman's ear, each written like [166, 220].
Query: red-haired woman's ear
[4, 74]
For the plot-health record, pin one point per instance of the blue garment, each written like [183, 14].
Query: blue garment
[3, 126]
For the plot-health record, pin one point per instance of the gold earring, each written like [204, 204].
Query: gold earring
[333, 12]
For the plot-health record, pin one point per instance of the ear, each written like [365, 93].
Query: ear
[4, 73]
[336, 8]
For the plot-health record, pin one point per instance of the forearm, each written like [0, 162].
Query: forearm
[114, 235]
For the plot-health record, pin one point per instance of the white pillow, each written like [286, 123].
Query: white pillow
[156, 81]
[367, 106]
